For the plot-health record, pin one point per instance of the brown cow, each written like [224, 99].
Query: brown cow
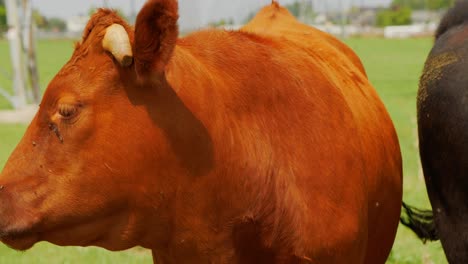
[264, 145]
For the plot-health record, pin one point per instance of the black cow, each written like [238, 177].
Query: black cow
[443, 138]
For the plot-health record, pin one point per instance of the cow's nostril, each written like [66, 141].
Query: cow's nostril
[2, 187]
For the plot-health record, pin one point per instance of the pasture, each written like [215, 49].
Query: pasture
[393, 66]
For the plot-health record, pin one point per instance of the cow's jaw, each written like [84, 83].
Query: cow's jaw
[19, 233]
[85, 233]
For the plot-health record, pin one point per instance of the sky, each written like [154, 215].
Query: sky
[193, 13]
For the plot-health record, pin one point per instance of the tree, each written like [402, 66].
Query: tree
[49, 24]
[222, 22]
[56, 24]
[294, 8]
[303, 10]
[424, 4]
[39, 20]
[439, 4]
[395, 16]
[3, 18]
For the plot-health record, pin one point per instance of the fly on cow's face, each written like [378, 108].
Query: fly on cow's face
[53, 127]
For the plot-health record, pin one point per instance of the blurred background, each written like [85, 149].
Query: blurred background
[392, 37]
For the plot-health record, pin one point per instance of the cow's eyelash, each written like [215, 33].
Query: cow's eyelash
[67, 111]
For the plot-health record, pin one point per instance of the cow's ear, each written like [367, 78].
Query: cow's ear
[156, 33]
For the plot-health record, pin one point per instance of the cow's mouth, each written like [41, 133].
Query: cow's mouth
[21, 232]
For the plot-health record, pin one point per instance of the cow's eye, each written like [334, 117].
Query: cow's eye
[67, 111]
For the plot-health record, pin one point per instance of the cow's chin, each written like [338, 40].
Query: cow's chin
[98, 232]
[25, 242]
[20, 242]
[94, 231]
[97, 241]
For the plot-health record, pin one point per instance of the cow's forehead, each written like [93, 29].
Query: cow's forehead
[89, 67]
[59, 87]
[80, 80]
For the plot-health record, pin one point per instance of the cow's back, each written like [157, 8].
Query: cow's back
[276, 20]
[380, 148]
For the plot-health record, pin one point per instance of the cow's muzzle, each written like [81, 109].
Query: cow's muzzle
[17, 223]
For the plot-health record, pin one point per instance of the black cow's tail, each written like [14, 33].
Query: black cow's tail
[420, 221]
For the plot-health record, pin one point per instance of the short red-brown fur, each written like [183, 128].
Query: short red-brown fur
[264, 145]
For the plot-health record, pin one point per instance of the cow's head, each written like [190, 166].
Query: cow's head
[93, 166]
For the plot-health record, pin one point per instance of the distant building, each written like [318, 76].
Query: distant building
[196, 14]
[320, 19]
[190, 15]
[364, 16]
[231, 27]
[77, 24]
[423, 16]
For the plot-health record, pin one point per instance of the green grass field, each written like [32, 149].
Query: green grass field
[393, 66]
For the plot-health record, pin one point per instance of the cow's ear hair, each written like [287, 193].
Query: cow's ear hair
[156, 33]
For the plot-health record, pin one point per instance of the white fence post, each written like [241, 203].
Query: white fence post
[14, 37]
